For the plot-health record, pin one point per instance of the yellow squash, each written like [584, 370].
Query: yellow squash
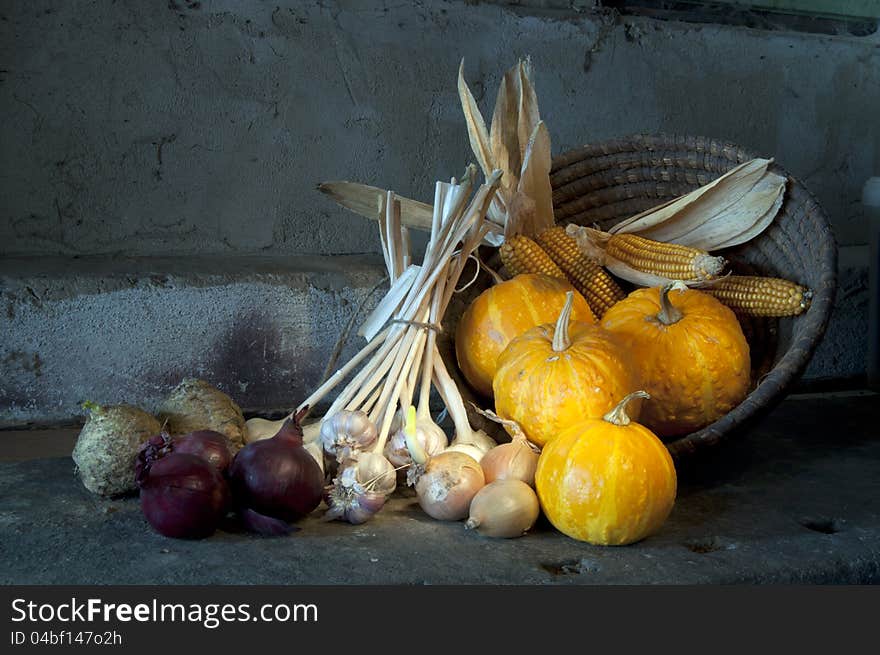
[554, 375]
[693, 356]
[505, 311]
[606, 481]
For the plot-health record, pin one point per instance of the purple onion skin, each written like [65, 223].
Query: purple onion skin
[265, 525]
[150, 451]
[183, 496]
[277, 477]
[207, 444]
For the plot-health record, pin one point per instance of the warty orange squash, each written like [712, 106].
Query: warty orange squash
[505, 311]
[607, 481]
[554, 375]
[692, 354]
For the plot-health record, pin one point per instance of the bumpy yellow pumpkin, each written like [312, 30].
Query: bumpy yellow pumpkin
[607, 481]
[554, 375]
[505, 311]
[693, 357]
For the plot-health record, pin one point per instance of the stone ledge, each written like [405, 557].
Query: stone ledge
[793, 501]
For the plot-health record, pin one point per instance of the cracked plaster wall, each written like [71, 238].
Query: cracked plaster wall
[202, 127]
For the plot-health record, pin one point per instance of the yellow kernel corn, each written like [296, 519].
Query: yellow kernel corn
[761, 296]
[520, 254]
[669, 260]
[593, 282]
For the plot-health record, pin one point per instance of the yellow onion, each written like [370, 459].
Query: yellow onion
[448, 484]
[503, 508]
[516, 460]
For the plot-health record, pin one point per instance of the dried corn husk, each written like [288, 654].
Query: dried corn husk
[728, 211]
[518, 144]
[368, 201]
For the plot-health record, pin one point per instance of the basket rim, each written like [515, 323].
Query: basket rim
[678, 149]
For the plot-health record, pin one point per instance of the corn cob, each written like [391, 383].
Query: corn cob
[591, 280]
[520, 254]
[761, 296]
[668, 260]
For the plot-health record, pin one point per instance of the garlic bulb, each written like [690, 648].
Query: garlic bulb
[348, 500]
[257, 428]
[375, 473]
[478, 439]
[347, 432]
[448, 484]
[314, 449]
[516, 460]
[468, 449]
[483, 441]
[504, 508]
[311, 432]
[430, 435]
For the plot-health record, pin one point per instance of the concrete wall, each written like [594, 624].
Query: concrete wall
[203, 127]
[144, 130]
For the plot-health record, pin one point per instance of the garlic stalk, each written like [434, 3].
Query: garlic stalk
[405, 351]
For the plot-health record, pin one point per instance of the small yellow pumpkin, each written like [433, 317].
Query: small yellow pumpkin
[505, 311]
[693, 356]
[607, 481]
[554, 375]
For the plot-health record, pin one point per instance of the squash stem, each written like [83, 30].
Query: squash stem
[669, 313]
[618, 415]
[561, 340]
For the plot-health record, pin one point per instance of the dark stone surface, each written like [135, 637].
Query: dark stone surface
[797, 500]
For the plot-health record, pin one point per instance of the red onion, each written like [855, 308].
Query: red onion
[277, 477]
[183, 496]
[207, 444]
[153, 449]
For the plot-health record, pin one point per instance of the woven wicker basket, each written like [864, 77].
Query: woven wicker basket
[606, 182]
